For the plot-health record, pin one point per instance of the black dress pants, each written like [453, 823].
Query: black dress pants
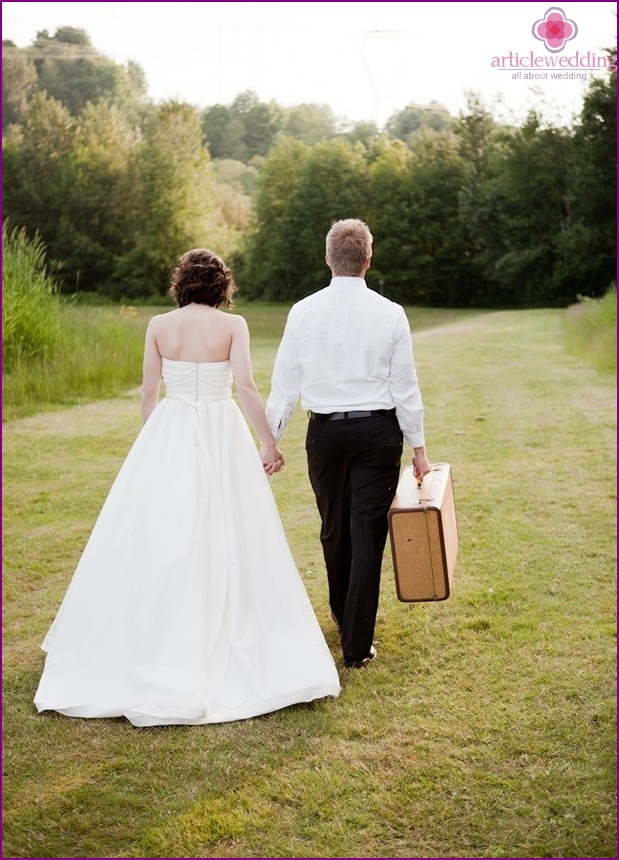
[354, 466]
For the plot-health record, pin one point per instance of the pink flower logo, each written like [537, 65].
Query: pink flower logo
[554, 29]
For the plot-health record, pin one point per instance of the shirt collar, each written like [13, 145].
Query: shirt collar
[346, 281]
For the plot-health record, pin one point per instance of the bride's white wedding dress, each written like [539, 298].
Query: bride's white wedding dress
[186, 606]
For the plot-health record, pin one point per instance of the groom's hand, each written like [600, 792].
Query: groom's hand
[421, 466]
[272, 459]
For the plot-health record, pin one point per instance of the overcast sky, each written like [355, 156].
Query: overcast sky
[364, 59]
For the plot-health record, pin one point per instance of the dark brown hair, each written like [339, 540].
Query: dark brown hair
[202, 277]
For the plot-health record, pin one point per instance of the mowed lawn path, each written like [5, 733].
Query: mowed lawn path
[486, 728]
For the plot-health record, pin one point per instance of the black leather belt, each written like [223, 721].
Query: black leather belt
[347, 416]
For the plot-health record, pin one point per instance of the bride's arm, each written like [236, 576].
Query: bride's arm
[251, 402]
[151, 371]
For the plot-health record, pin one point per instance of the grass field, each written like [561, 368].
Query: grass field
[486, 728]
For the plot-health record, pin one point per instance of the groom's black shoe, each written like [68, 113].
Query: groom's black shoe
[358, 664]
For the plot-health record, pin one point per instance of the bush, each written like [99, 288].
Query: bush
[31, 316]
[592, 330]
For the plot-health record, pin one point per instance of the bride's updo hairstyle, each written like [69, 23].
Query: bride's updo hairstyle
[202, 277]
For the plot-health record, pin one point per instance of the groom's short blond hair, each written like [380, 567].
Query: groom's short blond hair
[349, 247]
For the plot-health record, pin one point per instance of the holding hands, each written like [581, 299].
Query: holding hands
[272, 459]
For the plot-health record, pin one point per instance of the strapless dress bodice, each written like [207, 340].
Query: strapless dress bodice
[197, 382]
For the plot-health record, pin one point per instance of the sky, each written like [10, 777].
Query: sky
[366, 60]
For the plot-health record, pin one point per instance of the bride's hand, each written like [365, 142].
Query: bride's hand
[272, 459]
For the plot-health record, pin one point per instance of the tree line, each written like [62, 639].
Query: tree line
[479, 214]
[465, 211]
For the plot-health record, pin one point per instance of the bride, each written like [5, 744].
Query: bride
[186, 606]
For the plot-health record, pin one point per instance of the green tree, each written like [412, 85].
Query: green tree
[37, 172]
[311, 189]
[420, 247]
[19, 77]
[70, 70]
[66, 179]
[388, 202]
[334, 185]
[234, 185]
[97, 220]
[72, 36]
[242, 130]
[309, 123]
[224, 132]
[172, 182]
[479, 146]
[363, 132]
[411, 120]
[539, 203]
[258, 263]
[115, 204]
[261, 122]
[529, 203]
[587, 251]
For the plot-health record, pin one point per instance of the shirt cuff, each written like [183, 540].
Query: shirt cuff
[277, 420]
[415, 440]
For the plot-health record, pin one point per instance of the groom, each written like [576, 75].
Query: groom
[347, 351]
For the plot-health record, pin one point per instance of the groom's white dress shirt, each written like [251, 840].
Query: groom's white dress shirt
[346, 348]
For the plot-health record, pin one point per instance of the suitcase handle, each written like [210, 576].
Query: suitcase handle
[436, 468]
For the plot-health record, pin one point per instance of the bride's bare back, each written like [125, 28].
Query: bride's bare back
[196, 333]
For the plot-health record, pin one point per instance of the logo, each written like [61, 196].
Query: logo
[554, 29]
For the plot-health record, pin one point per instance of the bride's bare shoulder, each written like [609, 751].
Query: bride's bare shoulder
[158, 319]
[235, 319]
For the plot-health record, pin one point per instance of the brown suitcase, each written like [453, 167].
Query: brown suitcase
[424, 535]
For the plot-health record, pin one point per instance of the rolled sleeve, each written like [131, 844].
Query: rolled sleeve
[404, 385]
